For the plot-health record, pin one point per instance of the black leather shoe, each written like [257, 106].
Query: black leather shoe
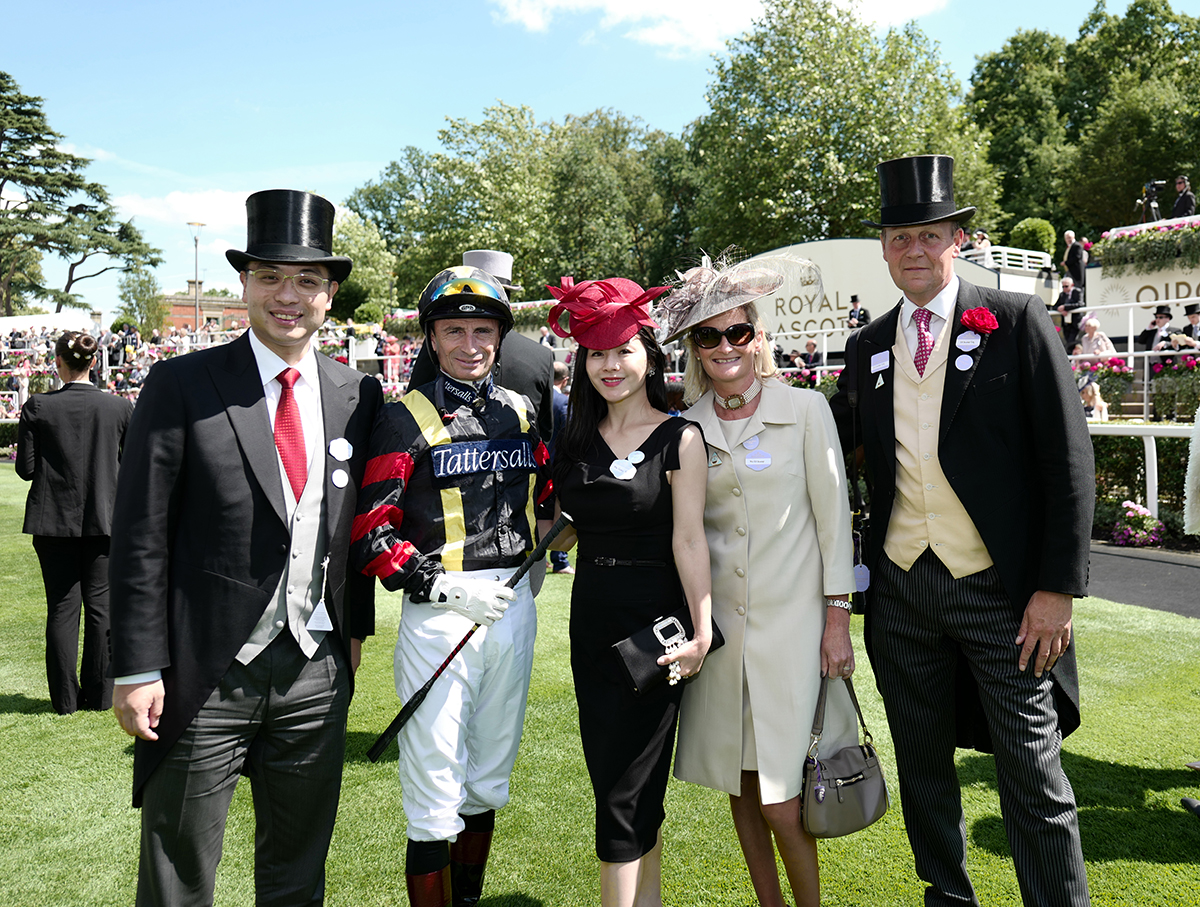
[1191, 804]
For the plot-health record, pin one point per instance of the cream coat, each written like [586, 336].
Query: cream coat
[779, 540]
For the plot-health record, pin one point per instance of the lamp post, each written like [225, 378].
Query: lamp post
[196, 282]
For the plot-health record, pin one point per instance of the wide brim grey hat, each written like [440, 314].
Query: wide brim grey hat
[287, 226]
[498, 264]
[708, 290]
[918, 190]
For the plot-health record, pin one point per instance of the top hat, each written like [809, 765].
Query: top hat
[1191, 308]
[286, 226]
[498, 264]
[853, 299]
[1162, 310]
[918, 190]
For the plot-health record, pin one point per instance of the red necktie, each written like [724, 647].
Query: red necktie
[289, 433]
[924, 340]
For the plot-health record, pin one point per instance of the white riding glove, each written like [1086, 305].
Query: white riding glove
[482, 601]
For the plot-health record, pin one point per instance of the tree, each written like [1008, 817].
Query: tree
[1014, 96]
[1042, 99]
[36, 180]
[596, 195]
[808, 102]
[1144, 130]
[142, 302]
[373, 278]
[89, 232]
[47, 205]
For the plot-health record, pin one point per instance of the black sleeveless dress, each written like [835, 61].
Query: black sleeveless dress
[627, 740]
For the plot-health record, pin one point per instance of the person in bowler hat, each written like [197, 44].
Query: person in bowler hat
[982, 492]
[237, 623]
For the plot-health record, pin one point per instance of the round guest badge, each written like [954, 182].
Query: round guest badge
[340, 449]
[622, 469]
[636, 457]
[963, 362]
[758, 460]
[340, 478]
[751, 443]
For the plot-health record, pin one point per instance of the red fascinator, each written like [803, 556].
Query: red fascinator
[602, 314]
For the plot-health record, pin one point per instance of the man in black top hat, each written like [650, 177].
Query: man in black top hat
[982, 491]
[858, 316]
[1158, 335]
[236, 620]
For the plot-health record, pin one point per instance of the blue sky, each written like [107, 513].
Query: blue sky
[187, 108]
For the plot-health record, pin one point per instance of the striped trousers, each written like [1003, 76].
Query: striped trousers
[922, 622]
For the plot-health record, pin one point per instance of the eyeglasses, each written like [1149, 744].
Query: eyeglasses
[709, 338]
[304, 283]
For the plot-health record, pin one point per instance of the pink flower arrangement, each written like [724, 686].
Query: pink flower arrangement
[1137, 527]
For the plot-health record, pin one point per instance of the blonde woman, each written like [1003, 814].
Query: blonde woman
[777, 520]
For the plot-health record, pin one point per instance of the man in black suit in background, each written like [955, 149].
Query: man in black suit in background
[1068, 304]
[237, 624]
[1185, 201]
[981, 505]
[857, 317]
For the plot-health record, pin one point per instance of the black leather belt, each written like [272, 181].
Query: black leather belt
[617, 562]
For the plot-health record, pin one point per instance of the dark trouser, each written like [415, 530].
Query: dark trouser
[559, 560]
[923, 621]
[75, 570]
[283, 717]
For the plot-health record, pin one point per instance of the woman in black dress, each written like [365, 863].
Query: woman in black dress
[633, 479]
[68, 445]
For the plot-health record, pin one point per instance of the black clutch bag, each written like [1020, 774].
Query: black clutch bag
[638, 654]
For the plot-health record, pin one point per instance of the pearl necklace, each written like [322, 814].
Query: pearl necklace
[737, 401]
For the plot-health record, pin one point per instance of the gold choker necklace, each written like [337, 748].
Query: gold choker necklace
[737, 401]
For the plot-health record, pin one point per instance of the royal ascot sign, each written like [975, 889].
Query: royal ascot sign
[848, 267]
[1149, 290]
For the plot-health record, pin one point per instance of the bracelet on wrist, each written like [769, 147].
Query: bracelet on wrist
[838, 603]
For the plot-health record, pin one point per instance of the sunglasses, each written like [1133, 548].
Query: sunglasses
[708, 338]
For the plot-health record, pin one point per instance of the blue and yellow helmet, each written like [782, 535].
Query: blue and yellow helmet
[464, 292]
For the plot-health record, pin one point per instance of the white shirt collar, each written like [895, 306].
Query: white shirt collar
[941, 306]
[270, 365]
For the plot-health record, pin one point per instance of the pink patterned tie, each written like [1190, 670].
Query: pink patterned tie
[924, 340]
[289, 433]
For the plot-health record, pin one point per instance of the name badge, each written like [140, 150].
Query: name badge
[963, 362]
[759, 460]
[467, 457]
[880, 361]
[968, 340]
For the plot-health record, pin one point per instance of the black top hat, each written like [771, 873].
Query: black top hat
[918, 190]
[854, 299]
[1192, 308]
[1163, 310]
[290, 227]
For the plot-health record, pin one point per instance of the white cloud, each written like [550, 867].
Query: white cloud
[698, 26]
[685, 27]
[218, 209]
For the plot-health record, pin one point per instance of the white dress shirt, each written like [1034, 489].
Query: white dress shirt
[940, 308]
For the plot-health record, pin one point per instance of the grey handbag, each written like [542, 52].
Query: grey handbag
[844, 792]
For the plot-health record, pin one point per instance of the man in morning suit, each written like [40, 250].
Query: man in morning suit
[982, 498]
[237, 624]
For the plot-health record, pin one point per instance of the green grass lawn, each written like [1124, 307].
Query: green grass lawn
[70, 837]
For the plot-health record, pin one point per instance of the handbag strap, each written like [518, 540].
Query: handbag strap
[819, 718]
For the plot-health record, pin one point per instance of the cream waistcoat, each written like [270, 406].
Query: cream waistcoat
[926, 511]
